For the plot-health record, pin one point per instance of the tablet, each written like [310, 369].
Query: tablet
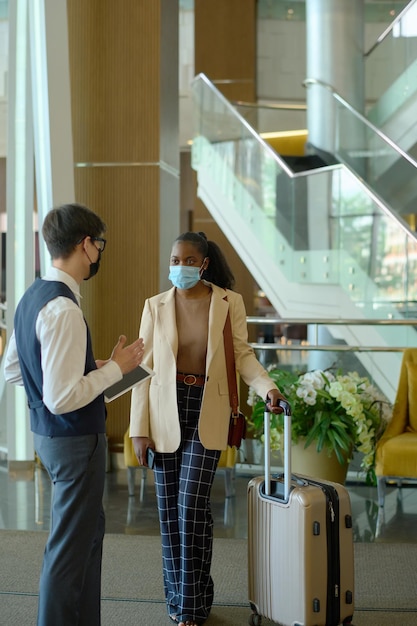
[130, 380]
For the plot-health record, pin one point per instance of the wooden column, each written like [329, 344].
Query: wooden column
[225, 50]
[225, 45]
[124, 85]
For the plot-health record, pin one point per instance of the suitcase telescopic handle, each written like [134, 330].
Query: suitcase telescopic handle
[287, 449]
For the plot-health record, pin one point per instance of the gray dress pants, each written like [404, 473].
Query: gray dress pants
[70, 582]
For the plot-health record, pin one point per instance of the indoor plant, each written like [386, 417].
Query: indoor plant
[338, 412]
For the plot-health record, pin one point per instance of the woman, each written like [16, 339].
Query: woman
[183, 412]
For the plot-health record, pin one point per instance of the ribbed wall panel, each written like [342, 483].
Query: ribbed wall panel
[115, 67]
[225, 38]
[128, 267]
[127, 199]
[225, 44]
[225, 49]
[115, 79]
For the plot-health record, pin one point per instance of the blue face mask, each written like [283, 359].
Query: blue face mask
[184, 276]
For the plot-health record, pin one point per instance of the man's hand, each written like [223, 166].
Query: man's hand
[100, 363]
[128, 357]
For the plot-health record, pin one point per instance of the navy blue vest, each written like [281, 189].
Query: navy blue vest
[87, 420]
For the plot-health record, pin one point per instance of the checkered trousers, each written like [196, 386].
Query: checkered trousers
[183, 482]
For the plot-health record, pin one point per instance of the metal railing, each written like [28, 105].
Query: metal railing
[276, 106]
[401, 153]
[389, 28]
[314, 324]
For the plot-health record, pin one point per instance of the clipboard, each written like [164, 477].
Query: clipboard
[130, 380]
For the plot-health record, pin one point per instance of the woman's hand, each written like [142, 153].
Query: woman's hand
[272, 398]
[140, 445]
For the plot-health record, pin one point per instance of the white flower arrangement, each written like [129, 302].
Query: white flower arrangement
[340, 412]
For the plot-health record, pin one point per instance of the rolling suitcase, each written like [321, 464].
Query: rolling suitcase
[300, 546]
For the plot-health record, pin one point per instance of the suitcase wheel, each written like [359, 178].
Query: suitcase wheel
[255, 620]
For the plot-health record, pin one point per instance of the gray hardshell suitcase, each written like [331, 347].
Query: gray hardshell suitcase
[300, 546]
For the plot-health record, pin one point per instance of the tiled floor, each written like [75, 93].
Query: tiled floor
[25, 504]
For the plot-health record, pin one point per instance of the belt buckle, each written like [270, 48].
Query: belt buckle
[193, 379]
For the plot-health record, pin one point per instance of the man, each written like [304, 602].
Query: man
[50, 353]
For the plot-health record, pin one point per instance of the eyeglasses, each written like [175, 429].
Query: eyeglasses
[101, 243]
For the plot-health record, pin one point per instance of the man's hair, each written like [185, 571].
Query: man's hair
[65, 226]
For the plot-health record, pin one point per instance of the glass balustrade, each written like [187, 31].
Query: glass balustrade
[322, 227]
[389, 171]
[395, 86]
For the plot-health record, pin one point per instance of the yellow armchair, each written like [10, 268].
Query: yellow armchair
[396, 453]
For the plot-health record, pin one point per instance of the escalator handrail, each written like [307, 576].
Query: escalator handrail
[315, 81]
[389, 28]
[277, 106]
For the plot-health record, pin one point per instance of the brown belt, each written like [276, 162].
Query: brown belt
[191, 379]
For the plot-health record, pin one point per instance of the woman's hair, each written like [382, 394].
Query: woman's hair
[65, 226]
[218, 271]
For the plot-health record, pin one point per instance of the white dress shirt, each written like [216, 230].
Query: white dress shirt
[61, 330]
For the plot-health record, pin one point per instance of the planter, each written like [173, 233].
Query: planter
[309, 462]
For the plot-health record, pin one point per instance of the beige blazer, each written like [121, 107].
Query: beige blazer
[154, 411]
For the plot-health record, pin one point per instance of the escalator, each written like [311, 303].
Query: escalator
[325, 235]
[344, 217]
[298, 202]
[340, 252]
[395, 101]
[394, 96]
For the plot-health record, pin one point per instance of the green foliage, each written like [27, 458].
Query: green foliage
[338, 412]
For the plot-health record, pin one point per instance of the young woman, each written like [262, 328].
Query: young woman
[183, 412]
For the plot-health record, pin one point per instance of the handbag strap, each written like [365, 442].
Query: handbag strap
[230, 365]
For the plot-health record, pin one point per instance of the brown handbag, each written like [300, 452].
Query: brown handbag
[237, 425]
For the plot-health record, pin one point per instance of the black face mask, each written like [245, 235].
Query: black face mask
[94, 267]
